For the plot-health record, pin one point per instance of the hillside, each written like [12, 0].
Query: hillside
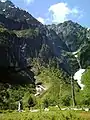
[58, 87]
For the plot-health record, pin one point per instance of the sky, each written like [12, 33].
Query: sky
[57, 11]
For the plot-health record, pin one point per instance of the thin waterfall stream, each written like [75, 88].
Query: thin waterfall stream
[19, 108]
[77, 76]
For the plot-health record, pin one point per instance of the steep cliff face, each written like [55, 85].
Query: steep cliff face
[45, 44]
[13, 17]
[84, 56]
[13, 63]
[73, 34]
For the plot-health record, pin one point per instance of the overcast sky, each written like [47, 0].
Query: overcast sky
[57, 11]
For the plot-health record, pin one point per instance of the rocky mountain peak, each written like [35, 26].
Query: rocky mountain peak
[6, 3]
[17, 15]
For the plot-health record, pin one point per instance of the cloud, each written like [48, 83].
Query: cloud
[58, 13]
[61, 12]
[3, 0]
[40, 19]
[75, 11]
[28, 1]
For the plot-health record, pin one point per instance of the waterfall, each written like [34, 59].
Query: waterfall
[19, 108]
[76, 56]
[77, 76]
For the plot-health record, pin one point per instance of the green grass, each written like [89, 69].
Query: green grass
[27, 33]
[51, 115]
[58, 88]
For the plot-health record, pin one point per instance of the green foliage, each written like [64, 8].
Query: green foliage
[45, 48]
[66, 99]
[9, 96]
[31, 102]
[46, 103]
[44, 54]
[58, 87]
[2, 28]
[51, 115]
[4, 34]
[28, 33]
[84, 95]
[85, 56]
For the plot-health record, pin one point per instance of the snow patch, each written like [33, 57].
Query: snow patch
[78, 76]
[74, 53]
[88, 28]
[10, 6]
[76, 56]
[3, 10]
[24, 15]
[3, 0]
[27, 19]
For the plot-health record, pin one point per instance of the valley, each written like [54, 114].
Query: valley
[42, 66]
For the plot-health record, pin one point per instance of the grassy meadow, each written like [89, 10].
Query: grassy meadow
[43, 115]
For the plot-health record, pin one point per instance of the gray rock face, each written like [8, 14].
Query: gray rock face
[73, 34]
[14, 18]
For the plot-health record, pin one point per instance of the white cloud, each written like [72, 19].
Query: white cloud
[75, 11]
[40, 19]
[28, 1]
[3, 0]
[59, 12]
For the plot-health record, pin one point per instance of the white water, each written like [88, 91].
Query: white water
[77, 76]
[19, 108]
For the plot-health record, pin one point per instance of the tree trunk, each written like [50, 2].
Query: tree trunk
[73, 92]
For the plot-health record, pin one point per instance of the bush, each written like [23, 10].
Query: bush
[46, 103]
[66, 100]
[31, 102]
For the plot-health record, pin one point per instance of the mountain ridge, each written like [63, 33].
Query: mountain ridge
[61, 39]
[32, 53]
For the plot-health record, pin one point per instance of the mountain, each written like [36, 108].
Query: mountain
[44, 42]
[73, 34]
[13, 62]
[13, 17]
[29, 48]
